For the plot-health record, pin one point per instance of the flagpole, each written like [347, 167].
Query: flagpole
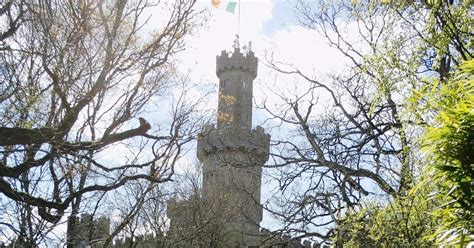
[238, 24]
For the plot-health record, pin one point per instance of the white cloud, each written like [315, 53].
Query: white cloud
[200, 56]
[292, 44]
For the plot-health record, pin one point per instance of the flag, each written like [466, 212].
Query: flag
[230, 5]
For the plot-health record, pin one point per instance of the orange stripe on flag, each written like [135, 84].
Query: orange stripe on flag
[216, 3]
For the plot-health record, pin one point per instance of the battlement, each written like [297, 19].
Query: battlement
[214, 139]
[237, 61]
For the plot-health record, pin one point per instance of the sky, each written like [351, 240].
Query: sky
[270, 25]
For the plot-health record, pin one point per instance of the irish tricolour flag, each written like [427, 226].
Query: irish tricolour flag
[229, 5]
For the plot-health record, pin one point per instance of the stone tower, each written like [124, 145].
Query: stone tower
[233, 153]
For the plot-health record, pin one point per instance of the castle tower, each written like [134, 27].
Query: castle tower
[233, 153]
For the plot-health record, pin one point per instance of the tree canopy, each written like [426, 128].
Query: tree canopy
[76, 79]
[354, 136]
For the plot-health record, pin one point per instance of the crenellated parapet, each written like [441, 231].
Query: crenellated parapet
[237, 61]
[214, 139]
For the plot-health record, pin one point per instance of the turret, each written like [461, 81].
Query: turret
[236, 72]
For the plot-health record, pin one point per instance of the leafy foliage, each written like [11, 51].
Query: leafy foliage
[352, 131]
[449, 144]
[403, 222]
[422, 218]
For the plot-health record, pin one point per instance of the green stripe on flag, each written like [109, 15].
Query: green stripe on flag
[231, 7]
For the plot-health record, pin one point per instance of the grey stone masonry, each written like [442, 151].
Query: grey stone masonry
[236, 73]
[233, 153]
